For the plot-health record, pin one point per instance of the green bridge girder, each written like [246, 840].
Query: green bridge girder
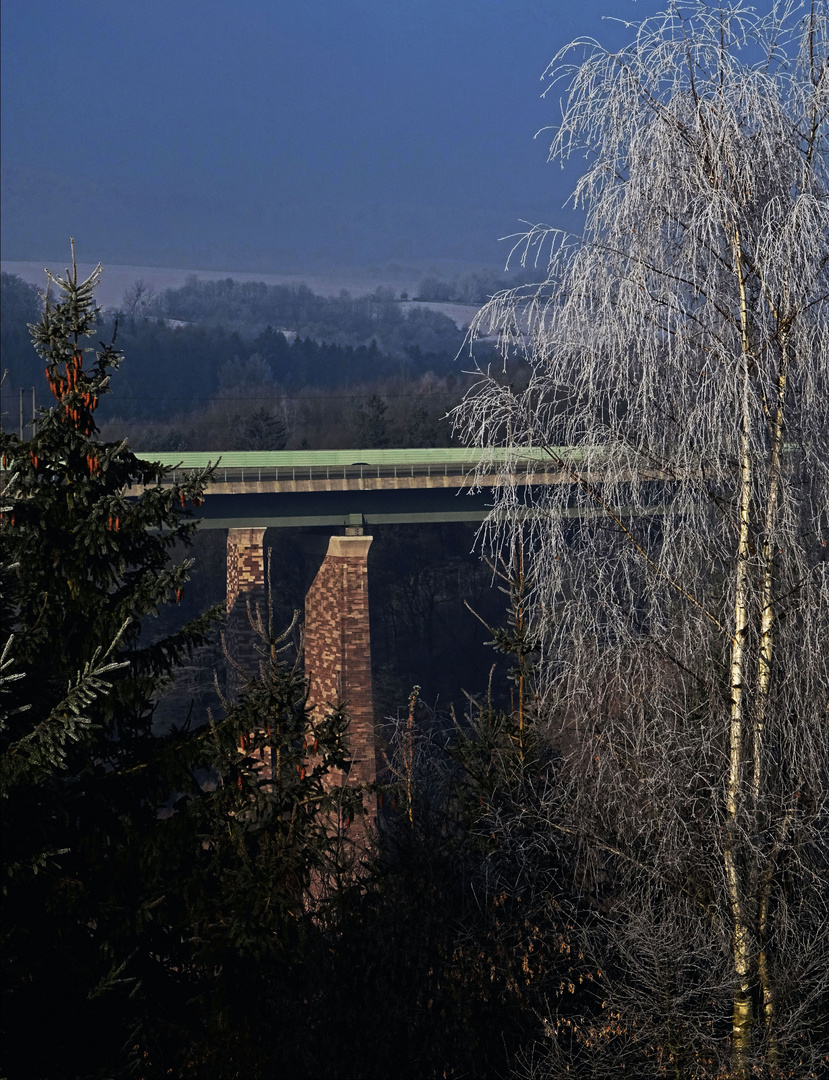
[453, 456]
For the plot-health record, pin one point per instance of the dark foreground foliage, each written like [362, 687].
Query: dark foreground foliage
[148, 878]
[185, 899]
[185, 902]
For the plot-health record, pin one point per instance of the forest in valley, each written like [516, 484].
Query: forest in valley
[246, 366]
[597, 841]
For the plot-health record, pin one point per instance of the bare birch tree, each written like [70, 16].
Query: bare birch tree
[672, 365]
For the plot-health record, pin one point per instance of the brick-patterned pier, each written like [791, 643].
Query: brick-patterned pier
[338, 647]
[337, 637]
[245, 595]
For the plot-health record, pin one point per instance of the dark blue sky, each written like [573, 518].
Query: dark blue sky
[280, 135]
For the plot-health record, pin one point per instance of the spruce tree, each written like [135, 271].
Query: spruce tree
[87, 536]
[150, 877]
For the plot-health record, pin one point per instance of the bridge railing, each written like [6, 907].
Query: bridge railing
[295, 473]
[309, 466]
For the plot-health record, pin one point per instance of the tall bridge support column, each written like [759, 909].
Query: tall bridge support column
[338, 647]
[245, 588]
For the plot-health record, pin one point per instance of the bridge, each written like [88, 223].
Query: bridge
[356, 488]
[345, 492]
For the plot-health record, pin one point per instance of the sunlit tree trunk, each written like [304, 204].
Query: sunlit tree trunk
[743, 1018]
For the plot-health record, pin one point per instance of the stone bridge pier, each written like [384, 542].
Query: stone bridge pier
[245, 593]
[337, 638]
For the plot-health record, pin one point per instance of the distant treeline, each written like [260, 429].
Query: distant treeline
[395, 412]
[171, 369]
[340, 318]
[345, 320]
[19, 306]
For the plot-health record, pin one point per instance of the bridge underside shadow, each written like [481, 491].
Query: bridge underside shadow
[337, 509]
